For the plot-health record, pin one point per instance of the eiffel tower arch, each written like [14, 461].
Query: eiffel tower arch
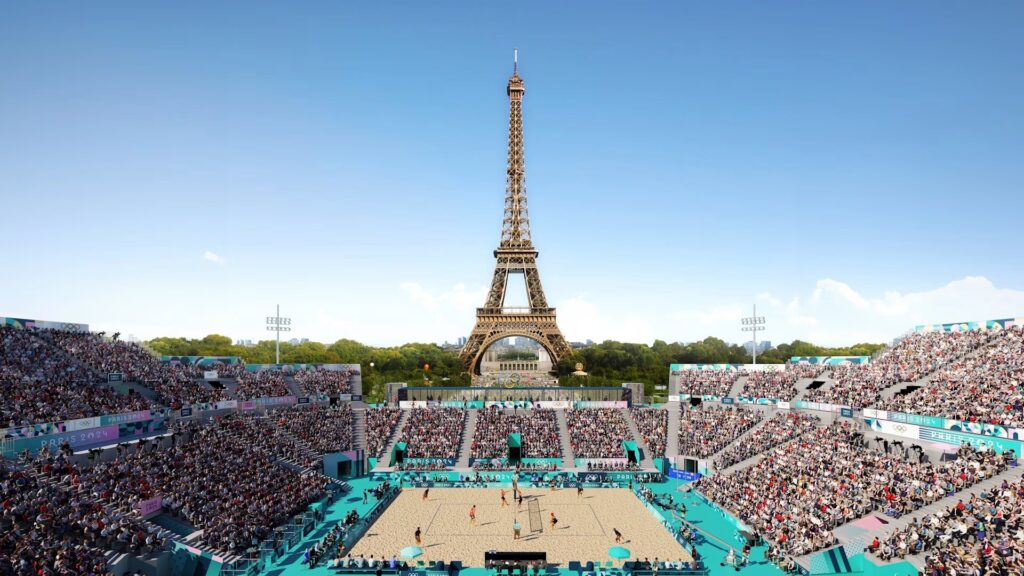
[515, 255]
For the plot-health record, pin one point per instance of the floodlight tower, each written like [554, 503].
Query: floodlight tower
[278, 324]
[753, 324]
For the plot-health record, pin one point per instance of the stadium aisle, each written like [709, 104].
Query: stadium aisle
[705, 517]
[291, 563]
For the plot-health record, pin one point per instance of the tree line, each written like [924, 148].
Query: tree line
[608, 363]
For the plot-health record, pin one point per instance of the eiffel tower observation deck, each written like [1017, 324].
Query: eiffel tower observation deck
[515, 254]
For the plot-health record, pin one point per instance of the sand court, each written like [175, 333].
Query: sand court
[584, 529]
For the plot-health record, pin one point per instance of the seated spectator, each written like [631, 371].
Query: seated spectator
[175, 385]
[322, 428]
[780, 429]
[40, 384]
[778, 384]
[223, 480]
[912, 358]
[653, 426]
[981, 387]
[434, 432]
[539, 429]
[710, 382]
[323, 382]
[261, 384]
[597, 432]
[799, 492]
[380, 425]
[706, 430]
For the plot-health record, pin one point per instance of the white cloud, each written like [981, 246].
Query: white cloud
[836, 313]
[580, 319]
[212, 257]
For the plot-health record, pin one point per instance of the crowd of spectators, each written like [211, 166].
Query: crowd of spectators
[653, 426]
[223, 480]
[778, 384]
[39, 384]
[261, 384]
[984, 387]
[434, 432]
[323, 382]
[983, 535]
[321, 427]
[713, 382]
[778, 430]
[706, 430]
[48, 527]
[539, 429]
[799, 492]
[912, 358]
[597, 432]
[175, 385]
[380, 425]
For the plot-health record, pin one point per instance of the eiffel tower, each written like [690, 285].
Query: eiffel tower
[515, 255]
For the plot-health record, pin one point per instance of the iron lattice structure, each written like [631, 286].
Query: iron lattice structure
[515, 255]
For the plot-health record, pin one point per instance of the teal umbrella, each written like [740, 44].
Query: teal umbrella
[411, 551]
[618, 552]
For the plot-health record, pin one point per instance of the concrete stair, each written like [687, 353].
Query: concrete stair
[467, 440]
[230, 387]
[293, 387]
[672, 440]
[646, 462]
[568, 455]
[359, 428]
[802, 384]
[737, 386]
[385, 458]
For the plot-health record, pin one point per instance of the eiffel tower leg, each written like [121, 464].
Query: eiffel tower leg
[496, 297]
[533, 287]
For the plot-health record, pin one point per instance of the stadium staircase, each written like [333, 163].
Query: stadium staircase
[737, 387]
[293, 387]
[230, 387]
[646, 461]
[568, 455]
[802, 384]
[385, 457]
[672, 435]
[359, 428]
[467, 440]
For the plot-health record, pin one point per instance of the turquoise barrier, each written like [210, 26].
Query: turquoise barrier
[979, 428]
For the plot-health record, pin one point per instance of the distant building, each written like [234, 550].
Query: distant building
[297, 341]
[762, 346]
[246, 343]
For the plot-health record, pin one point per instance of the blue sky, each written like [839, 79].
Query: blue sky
[179, 168]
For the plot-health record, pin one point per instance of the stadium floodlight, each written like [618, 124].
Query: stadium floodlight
[753, 324]
[278, 324]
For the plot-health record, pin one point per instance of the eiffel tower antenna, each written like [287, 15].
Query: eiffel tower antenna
[515, 255]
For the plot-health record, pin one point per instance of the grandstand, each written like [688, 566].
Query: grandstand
[118, 460]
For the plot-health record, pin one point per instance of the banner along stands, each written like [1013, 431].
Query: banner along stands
[941, 436]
